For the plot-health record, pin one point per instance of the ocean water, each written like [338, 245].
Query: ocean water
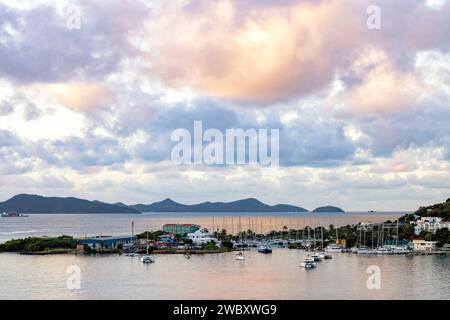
[220, 276]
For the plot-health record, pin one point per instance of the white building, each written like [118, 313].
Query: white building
[202, 236]
[430, 224]
[423, 245]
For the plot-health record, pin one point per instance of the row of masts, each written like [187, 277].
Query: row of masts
[255, 225]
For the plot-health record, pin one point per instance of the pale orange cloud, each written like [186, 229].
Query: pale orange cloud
[269, 54]
[83, 97]
[382, 88]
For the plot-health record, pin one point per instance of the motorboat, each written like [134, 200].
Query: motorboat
[316, 256]
[132, 254]
[334, 248]
[363, 250]
[383, 250]
[148, 258]
[308, 263]
[13, 215]
[264, 248]
[400, 250]
[240, 256]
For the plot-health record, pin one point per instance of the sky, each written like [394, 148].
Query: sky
[91, 90]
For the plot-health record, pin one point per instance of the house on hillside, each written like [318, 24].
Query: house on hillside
[430, 224]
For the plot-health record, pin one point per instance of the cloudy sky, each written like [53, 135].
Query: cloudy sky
[363, 113]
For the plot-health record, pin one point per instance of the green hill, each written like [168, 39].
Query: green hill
[441, 210]
[327, 209]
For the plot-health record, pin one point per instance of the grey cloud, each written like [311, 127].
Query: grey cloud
[51, 52]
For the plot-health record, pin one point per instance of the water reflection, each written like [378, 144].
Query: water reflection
[220, 276]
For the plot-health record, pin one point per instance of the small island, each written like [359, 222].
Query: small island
[327, 209]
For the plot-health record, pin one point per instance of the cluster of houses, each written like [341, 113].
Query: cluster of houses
[430, 224]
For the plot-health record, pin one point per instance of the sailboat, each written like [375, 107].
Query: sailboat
[398, 249]
[147, 258]
[131, 252]
[381, 248]
[335, 248]
[240, 255]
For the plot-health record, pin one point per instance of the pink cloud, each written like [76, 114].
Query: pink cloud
[270, 52]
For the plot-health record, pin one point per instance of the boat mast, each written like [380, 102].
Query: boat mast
[396, 238]
[321, 232]
[132, 236]
[314, 241]
[147, 241]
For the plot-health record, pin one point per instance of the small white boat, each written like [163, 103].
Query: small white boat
[363, 250]
[132, 254]
[383, 250]
[240, 256]
[400, 250]
[308, 263]
[148, 258]
[264, 248]
[334, 248]
[14, 215]
[316, 256]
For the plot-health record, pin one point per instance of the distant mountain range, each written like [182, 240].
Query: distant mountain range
[26, 203]
[245, 205]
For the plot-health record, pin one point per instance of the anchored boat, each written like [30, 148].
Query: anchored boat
[14, 215]
[308, 263]
[264, 248]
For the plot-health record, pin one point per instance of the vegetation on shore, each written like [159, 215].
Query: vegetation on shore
[35, 244]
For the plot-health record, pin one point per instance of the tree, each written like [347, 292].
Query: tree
[442, 235]
[429, 237]
[406, 232]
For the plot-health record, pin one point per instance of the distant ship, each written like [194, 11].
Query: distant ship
[371, 211]
[13, 215]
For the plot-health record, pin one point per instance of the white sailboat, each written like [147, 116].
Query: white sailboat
[148, 258]
[131, 252]
[240, 255]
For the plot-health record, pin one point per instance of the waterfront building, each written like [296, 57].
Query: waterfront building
[108, 242]
[430, 224]
[180, 229]
[202, 236]
[423, 245]
[166, 240]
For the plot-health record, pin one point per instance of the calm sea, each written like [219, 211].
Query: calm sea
[220, 276]
[215, 276]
